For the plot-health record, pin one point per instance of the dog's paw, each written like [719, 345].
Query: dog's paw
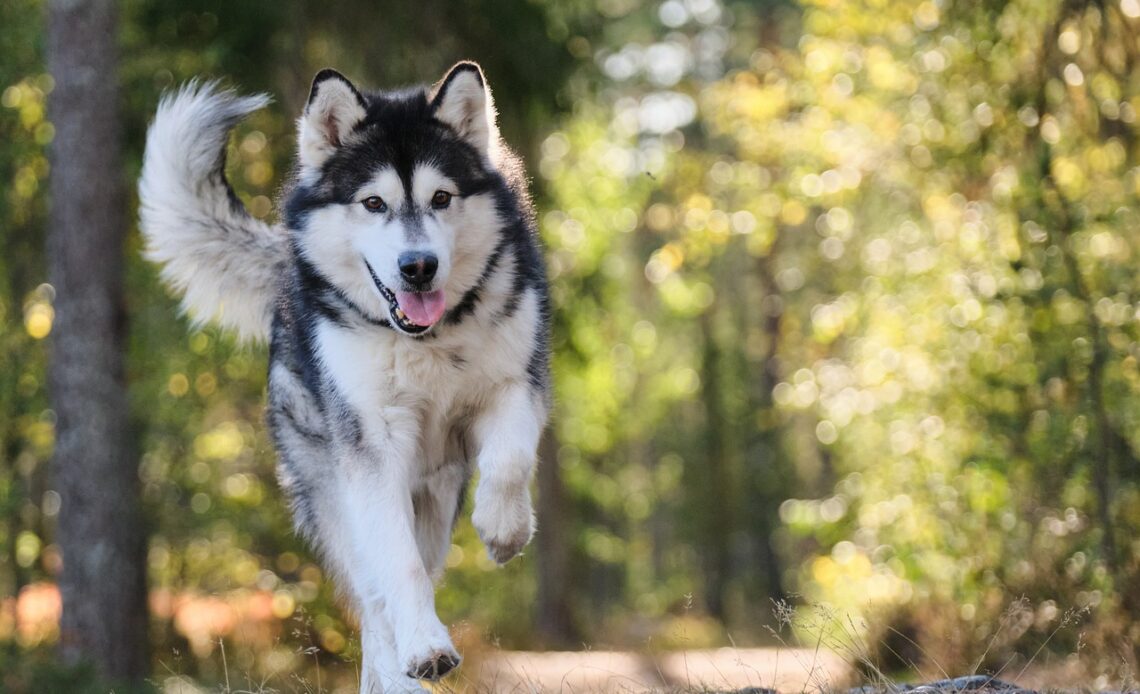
[435, 665]
[432, 657]
[504, 522]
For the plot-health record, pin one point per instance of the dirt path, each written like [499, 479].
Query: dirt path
[787, 670]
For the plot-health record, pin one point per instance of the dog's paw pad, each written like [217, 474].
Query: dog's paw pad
[503, 552]
[436, 666]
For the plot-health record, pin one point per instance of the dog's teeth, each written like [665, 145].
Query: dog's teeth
[400, 314]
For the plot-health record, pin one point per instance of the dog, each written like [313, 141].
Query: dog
[405, 302]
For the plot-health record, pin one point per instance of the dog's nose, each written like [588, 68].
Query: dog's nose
[418, 267]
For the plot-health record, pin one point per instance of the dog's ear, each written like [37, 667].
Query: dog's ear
[462, 101]
[335, 107]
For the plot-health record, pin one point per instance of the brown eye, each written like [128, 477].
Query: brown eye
[374, 203]
[441, 199]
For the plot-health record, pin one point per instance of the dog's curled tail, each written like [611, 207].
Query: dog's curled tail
[223, 261]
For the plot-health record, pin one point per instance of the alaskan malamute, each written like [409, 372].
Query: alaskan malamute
[404, 298]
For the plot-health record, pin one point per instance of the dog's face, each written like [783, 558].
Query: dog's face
[395, 206]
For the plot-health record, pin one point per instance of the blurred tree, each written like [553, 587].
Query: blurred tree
[554, 594]
[102, 539]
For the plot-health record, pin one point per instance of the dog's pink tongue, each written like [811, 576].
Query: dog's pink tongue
[422, 308]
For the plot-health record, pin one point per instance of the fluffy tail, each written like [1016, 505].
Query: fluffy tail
[224, 262]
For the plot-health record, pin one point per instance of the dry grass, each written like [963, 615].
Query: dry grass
[834, 657]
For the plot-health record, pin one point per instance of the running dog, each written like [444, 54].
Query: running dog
[405, 303]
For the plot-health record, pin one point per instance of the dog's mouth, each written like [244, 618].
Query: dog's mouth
[411, 312]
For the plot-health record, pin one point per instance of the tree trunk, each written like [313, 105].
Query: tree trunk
[714, 486]
[553, 618]
[100, 531]
[766, 468]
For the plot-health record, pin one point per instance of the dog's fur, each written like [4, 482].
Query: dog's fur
[378, 419]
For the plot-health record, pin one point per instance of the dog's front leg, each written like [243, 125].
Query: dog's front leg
[380, 671]
[389, 576]
[507, 433]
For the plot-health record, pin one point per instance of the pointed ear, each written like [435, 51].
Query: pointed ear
[335, 107]
[462, 101]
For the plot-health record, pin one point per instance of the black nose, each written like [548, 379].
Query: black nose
[418, 267]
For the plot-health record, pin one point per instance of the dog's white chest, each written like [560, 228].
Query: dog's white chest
[400, 389]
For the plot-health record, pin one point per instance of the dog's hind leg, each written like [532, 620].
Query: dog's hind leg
[436, 507]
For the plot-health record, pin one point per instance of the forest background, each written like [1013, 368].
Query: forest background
[846, 316]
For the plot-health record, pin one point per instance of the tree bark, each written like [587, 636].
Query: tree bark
[100, 531]
[712, 484]
[766, 468]
[554, 621]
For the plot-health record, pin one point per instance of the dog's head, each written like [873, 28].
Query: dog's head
[395, 201]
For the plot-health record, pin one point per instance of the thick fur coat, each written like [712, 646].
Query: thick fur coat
[404, 299]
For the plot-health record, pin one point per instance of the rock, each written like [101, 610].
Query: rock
[969, 683]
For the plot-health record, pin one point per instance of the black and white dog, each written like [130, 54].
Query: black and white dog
[404, 297]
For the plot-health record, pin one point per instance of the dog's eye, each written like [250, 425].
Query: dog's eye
[441, 199]
[374, 203]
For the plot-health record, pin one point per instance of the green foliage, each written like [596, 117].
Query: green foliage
[25, 304]
[28, 672]
[894, 258]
